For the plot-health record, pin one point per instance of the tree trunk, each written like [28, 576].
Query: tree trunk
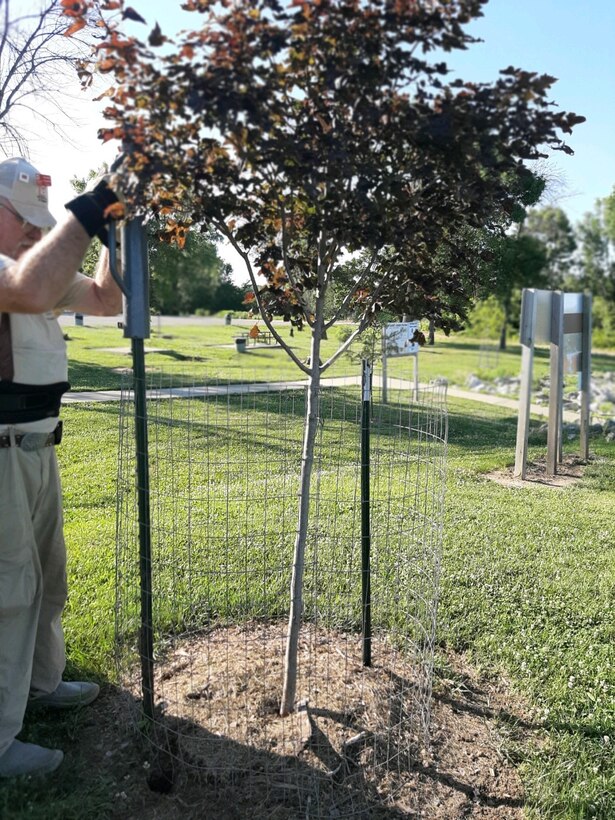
[296, 586]
[504, 326]
[431, 340]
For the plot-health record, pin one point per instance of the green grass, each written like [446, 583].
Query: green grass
[528, 589]
[97, 353]
[456, 357]
[528, 577]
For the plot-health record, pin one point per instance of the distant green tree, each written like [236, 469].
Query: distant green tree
[184, 279]
[609, 216]
[228, 295]
[553, 228]
[597, 272]
[518, 262]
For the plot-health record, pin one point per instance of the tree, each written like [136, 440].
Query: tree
[228, 295]
[519, 262]
[552, 227]
[188, 278]
[597, 270]
[609, 216]
[596, 235]
[308, 131]
[36, 63]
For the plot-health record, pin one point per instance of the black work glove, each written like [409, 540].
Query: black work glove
[89, 208]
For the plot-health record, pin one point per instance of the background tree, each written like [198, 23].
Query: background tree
[609, 217]
[304, 132]
[228, 295]
[595, 269]
[519, 262]
[185, 279]
[37, 64]
[552, 227]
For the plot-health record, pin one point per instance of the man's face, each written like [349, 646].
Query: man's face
[16, 235]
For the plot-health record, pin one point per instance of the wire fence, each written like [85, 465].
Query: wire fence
[224, 477]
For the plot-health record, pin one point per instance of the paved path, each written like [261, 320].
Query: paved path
[266, 387]
[512, 404]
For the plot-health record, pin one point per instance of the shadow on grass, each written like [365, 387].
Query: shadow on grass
[266, 419]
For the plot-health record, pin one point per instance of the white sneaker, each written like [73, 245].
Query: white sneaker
[28, 758]
[68, 695]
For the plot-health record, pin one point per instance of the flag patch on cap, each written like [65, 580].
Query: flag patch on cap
[43, 180]
[23, 177]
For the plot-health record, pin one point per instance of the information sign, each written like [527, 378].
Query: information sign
[398, 339]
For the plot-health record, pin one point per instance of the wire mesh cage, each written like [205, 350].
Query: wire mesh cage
[225, 462]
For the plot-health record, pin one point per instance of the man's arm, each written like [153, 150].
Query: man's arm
[99, 296]
[36, 282]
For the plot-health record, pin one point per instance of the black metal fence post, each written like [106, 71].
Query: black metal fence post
[134, 283]
[146, 638]
[366, 389]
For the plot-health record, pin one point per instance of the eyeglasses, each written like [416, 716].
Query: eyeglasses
[26, 226]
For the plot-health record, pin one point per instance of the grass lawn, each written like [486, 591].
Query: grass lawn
[97, 354]
[528, 580]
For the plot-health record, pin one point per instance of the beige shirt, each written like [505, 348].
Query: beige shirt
[39, 349]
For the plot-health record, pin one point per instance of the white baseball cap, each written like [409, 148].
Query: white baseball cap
[27, 191]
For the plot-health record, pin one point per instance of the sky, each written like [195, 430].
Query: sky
[572, 40]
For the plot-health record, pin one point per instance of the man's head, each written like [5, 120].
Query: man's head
[24, 212]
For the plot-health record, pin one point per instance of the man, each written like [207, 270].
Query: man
[38, 275]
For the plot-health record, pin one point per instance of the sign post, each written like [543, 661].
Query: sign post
[528, 323]
[562, 320]
[556, 381]
[134, 283]
[586, 352]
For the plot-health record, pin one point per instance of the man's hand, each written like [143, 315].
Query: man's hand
[95, 208]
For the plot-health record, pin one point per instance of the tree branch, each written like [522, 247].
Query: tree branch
[344, 347]
[220, 225]
[346, 301]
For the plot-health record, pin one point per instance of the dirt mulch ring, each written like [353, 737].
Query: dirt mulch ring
[569, 472]
[318, 763]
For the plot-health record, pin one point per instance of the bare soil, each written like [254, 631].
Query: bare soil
[569, 472]
[230, 756]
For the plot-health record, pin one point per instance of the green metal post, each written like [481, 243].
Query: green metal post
[366, 605]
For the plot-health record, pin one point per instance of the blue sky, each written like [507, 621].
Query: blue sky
[573, 40]
[569, 39]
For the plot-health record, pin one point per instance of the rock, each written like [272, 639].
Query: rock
[570, 431]
[474, 383]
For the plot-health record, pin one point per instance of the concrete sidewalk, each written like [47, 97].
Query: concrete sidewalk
[340, 381]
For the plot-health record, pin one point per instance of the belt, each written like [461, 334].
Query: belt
[32, 441]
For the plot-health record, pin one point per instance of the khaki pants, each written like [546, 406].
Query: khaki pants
[32, 582]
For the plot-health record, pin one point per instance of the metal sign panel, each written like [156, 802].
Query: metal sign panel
[542, 322]
[573, 347]
[573, 303]
[398, 339]
[573, 332]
